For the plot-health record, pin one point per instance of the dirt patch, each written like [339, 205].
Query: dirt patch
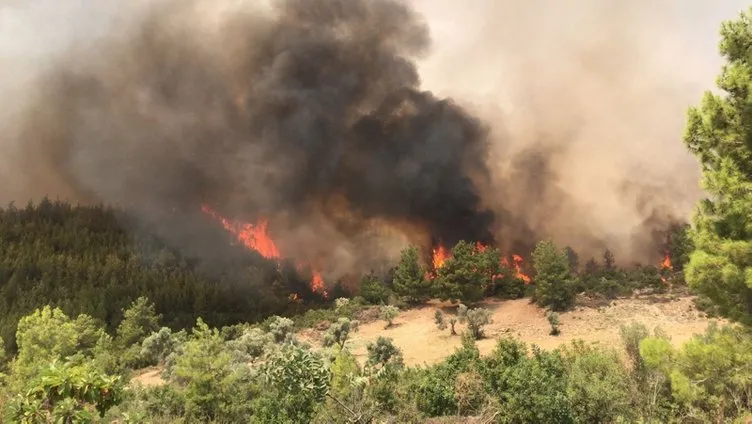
[422, 343]
[149, 377]
[368, 314]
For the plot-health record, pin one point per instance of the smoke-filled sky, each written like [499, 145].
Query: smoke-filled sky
[358, 125]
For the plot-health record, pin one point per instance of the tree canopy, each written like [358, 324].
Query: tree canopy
[719, 133]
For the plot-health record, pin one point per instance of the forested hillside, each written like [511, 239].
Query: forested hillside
[93, 298]
[97, 260]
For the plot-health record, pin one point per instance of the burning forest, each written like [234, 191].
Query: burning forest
[301, 127]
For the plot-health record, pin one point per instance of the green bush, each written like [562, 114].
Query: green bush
[339, 332]
[388, 313]
[477, 319]
[409, 278]
[374, 291]
[553, 280]
[553, 320]
[598, 385]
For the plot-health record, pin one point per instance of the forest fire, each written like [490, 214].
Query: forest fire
[666, 263]
[666, 267]
[256, 237]
[441, 255]
[517, 265]
[252, 236]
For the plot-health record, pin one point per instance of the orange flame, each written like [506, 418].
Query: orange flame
[256, 237]
[252, 236]
[666, 266]
[317, 283]
[517, 264]
[666, 263]
[440, 255]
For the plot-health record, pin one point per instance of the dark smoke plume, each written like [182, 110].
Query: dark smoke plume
[306, 112]
[564, 120]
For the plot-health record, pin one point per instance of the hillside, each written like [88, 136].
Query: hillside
[96, 260]
[415, 333]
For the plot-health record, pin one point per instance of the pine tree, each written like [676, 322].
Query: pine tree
[553, 280]
[409, 278]
[719, 133]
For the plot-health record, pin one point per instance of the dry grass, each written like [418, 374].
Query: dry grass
[149, 377]
[421, 342]
[415, 333]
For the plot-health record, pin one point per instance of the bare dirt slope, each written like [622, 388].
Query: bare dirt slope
[149, 377]
[421, 342]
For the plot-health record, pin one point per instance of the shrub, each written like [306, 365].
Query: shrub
[139, 321]
[598, 385]
[631, 337]
[313, 317]
[339, 332]
[409, 278]
[477, 319]
[340, 303]
[553, 280]
[374, 291]
[388, 313]
[438, 319]
[468, 274]
[553, 320]
[536, 390]
[384, 353]
[66, 393]
[157, 346]
[469, 393]
[461, 313]
[296, 382]
[253, 344]
[280, 328]
[215, 387]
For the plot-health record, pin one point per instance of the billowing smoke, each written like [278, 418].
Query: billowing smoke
[312, 113]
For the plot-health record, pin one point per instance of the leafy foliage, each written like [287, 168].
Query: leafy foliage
[388, 313]
[373, 290]
[553, 279]
[438, 319]
[159, 345]
[469, 273]
[299, 382]
[409, 278]
[82, 260]
[139, 321]
[48, 334]
[598, 384]
[280, 328]
[248, 374]
[384, 353]
[718, 133]
[553, 320]
[66, 393]
[476, 319]
[339, 332]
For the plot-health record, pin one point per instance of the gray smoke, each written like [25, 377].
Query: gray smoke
[312, 113]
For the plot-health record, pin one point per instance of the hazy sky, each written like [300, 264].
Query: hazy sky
[38, 27]
[686, 28]
[605, 84]
[34, 29]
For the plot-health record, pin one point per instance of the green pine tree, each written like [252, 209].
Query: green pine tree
[553, 280]
[409, 277]
[719, 133]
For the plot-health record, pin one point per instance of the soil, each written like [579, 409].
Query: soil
[421, 342]
[149, 377]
